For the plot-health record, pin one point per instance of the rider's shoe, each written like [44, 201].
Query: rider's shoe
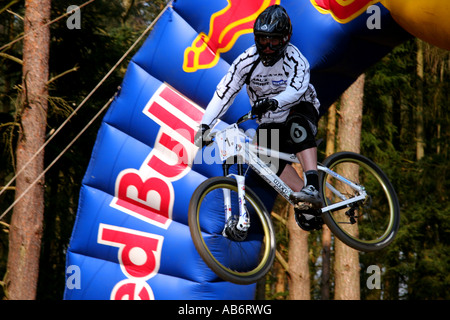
[309, 194]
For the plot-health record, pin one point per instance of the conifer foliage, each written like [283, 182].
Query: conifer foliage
[404, 129]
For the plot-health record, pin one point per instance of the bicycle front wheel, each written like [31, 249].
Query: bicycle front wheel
[241, 260]
[371, 223]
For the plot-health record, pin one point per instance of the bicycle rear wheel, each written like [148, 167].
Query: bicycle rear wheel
[367, 225]
[243, 259]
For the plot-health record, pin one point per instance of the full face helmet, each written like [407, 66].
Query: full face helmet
[272, 30]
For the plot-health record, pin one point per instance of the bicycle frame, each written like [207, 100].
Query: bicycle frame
[232, 142]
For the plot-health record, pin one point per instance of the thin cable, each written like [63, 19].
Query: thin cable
[85, 99]
[3, 189]
[45, 25]
[57, 158]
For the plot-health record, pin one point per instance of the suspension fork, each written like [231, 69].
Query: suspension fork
[244, 219]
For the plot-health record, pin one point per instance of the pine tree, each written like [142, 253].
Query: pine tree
[299, 277]
[27, 219]
[347, 282]
[326, 232]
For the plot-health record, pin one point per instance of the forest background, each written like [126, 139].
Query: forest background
[405, 123]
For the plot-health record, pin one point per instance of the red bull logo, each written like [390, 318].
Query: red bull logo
[343, 11]
[225, 27]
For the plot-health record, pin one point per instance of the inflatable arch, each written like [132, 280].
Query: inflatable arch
[131, 239]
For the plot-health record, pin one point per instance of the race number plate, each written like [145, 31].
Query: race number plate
[229, 142]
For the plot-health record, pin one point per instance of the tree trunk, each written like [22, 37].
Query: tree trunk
[299, 280]
[420, 132]
[326, 233]
[346, 268]
[397, 118]
[27, 219]
[282, 268]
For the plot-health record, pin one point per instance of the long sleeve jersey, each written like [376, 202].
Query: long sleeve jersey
[287, 81]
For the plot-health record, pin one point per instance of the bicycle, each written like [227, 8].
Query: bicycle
[238, 241]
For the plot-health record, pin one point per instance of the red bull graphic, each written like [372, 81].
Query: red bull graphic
[225, 27]
[425, 19]
[147, 193]
[343, 11]
[131, 237]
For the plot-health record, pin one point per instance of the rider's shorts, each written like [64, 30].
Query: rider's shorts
[294, 135]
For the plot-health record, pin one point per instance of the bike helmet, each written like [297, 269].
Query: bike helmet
[273, 30]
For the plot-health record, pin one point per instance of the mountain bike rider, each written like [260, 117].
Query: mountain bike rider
[277, 77]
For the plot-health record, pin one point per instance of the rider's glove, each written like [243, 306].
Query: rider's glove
[201, 138]
[262, 106]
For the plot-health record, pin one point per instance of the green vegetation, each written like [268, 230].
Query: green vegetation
[415, 266]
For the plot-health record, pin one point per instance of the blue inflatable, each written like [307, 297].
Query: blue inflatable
[131, 239]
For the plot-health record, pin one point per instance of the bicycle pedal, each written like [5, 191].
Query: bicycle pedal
[305, 206]
[308, 222]
[308, 207]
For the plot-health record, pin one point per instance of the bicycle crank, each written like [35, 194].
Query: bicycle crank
[308, 218]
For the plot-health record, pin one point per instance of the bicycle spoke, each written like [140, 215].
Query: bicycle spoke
[242, 259]
[364, 215]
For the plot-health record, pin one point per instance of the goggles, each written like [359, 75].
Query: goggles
[273, 42]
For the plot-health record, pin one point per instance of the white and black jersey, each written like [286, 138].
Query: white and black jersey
[287, 81]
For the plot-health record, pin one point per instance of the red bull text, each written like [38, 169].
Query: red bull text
[147, 193]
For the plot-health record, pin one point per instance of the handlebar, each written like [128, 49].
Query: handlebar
[246, 117]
